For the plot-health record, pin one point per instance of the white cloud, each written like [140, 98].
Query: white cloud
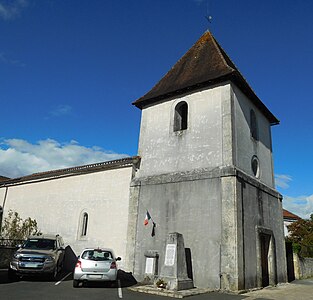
[19, 157]
[301, 206]
[6, 60]
[11, 9]
[61, 110]
[282, 181]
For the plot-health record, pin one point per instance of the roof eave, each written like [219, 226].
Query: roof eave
[242, 84]
[78, 170]
[234, 77]
[144, 101]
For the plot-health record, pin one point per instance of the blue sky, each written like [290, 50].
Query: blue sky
[69, 71]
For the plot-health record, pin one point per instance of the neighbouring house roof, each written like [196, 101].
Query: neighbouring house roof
[204, 64]
[290, 216]
[91, 168]
[3, 178]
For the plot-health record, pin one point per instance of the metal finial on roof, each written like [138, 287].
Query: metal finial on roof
[209, 18]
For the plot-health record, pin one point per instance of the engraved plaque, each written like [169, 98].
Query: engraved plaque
[149, 265]
[170, 255]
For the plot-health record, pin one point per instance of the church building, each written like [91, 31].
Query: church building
[204, 169]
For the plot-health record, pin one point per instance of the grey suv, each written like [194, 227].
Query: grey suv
[42, 254]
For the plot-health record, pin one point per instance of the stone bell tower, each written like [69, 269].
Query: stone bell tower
[207, 172]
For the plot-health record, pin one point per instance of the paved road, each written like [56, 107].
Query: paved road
[42, 289]
[296, 290]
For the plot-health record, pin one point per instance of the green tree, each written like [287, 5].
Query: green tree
[15, 228]
[301, 235]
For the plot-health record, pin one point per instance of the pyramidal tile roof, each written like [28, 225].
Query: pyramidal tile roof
[204, 64]
[289, 215]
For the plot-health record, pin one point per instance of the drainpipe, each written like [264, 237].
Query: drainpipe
[1, 214]
[220, 267]
[2, 207]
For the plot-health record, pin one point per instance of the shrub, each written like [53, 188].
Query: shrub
[15, 228]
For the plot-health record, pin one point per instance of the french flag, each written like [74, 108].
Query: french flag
[147, 218]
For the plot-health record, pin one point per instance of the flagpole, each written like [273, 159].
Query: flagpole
[146, 222]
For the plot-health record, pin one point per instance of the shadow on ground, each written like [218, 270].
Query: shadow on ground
[126, 279]
[4, 278]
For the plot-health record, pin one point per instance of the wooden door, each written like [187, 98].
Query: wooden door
[265, 245]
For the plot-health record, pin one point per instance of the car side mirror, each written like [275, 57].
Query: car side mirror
[19, 246]
[118, 258]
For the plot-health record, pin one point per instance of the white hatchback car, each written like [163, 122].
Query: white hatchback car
[95, 265]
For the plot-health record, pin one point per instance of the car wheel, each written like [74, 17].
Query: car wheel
[75, 283]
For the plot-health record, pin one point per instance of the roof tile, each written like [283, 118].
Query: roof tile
[288, 215]
[204, 64]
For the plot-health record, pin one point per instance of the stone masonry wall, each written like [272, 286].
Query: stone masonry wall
[303, 266]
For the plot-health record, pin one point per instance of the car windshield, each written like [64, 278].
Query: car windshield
[97, 255]
[43, 244]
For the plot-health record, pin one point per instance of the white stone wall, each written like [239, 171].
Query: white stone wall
[303, 266]
[218, 138]
[246, 146]
[201, 146]
[261, 211]
[218, 134]
[57, 206]
[286, 223]
[188, 206]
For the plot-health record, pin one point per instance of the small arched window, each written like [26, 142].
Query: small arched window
[84, 224]
[181, 116]
[254, 125]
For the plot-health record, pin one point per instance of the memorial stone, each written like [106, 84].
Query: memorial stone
[174, 269]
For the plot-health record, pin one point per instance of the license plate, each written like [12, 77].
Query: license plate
[30, 265]
[95, 276]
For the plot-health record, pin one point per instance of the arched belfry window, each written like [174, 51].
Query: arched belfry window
[181, 116]
[254, 125]
[84, 224]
